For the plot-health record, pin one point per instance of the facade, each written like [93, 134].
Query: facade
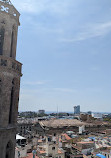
[10, 73]
[77, 110]
[86, 117]
[97, 115]
[59, 125]
[25, 128]
[50, 148]
[86, 147]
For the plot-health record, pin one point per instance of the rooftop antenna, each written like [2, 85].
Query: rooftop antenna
[57, 111]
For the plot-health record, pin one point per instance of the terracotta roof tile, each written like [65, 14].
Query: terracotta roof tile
[85, 142]
[59, 151]
[42, 152]
[40, 141]
[66, 136]
[30, 155]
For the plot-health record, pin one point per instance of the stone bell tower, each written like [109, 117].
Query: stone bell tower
[10, 73]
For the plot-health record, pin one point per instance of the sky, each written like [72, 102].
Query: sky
[65, 48]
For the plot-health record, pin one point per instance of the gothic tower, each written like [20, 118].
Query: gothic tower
[10, 73]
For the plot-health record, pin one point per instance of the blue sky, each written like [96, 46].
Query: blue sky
[65, 46]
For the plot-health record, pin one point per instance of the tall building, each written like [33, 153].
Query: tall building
[77, 110]
[10, 73]
[41, 111]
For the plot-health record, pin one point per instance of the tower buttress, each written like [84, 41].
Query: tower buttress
[10, 73]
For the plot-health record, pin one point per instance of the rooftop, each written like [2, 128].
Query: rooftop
[60, 151]
[30, 155]
[19, 137]
[66, 136]
[90, 142]
[61, 123]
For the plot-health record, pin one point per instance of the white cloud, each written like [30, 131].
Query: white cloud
[45, 90]
[35, 83]
[67, 90]
[90, 31]
[95, 68]
[93, 89]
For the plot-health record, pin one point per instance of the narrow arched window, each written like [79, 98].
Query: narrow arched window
[0, 86]
[12, 39]
[12, 48]
[2, 31]
[9, 150]
[11, 103]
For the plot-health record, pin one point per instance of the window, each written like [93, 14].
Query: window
[11, 103]
[3, 62]
[53, 148]
[9, 150]
[11, 50]
[0, 86]
[1, 40]
[13, 40]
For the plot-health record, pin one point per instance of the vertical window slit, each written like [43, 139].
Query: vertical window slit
[0, 86]
[11, 103]
[1, 40]
[11, 50]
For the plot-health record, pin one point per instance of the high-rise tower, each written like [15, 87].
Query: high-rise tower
[77, 110]
[10, 73]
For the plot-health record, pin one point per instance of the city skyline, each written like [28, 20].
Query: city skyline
[65, 50]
